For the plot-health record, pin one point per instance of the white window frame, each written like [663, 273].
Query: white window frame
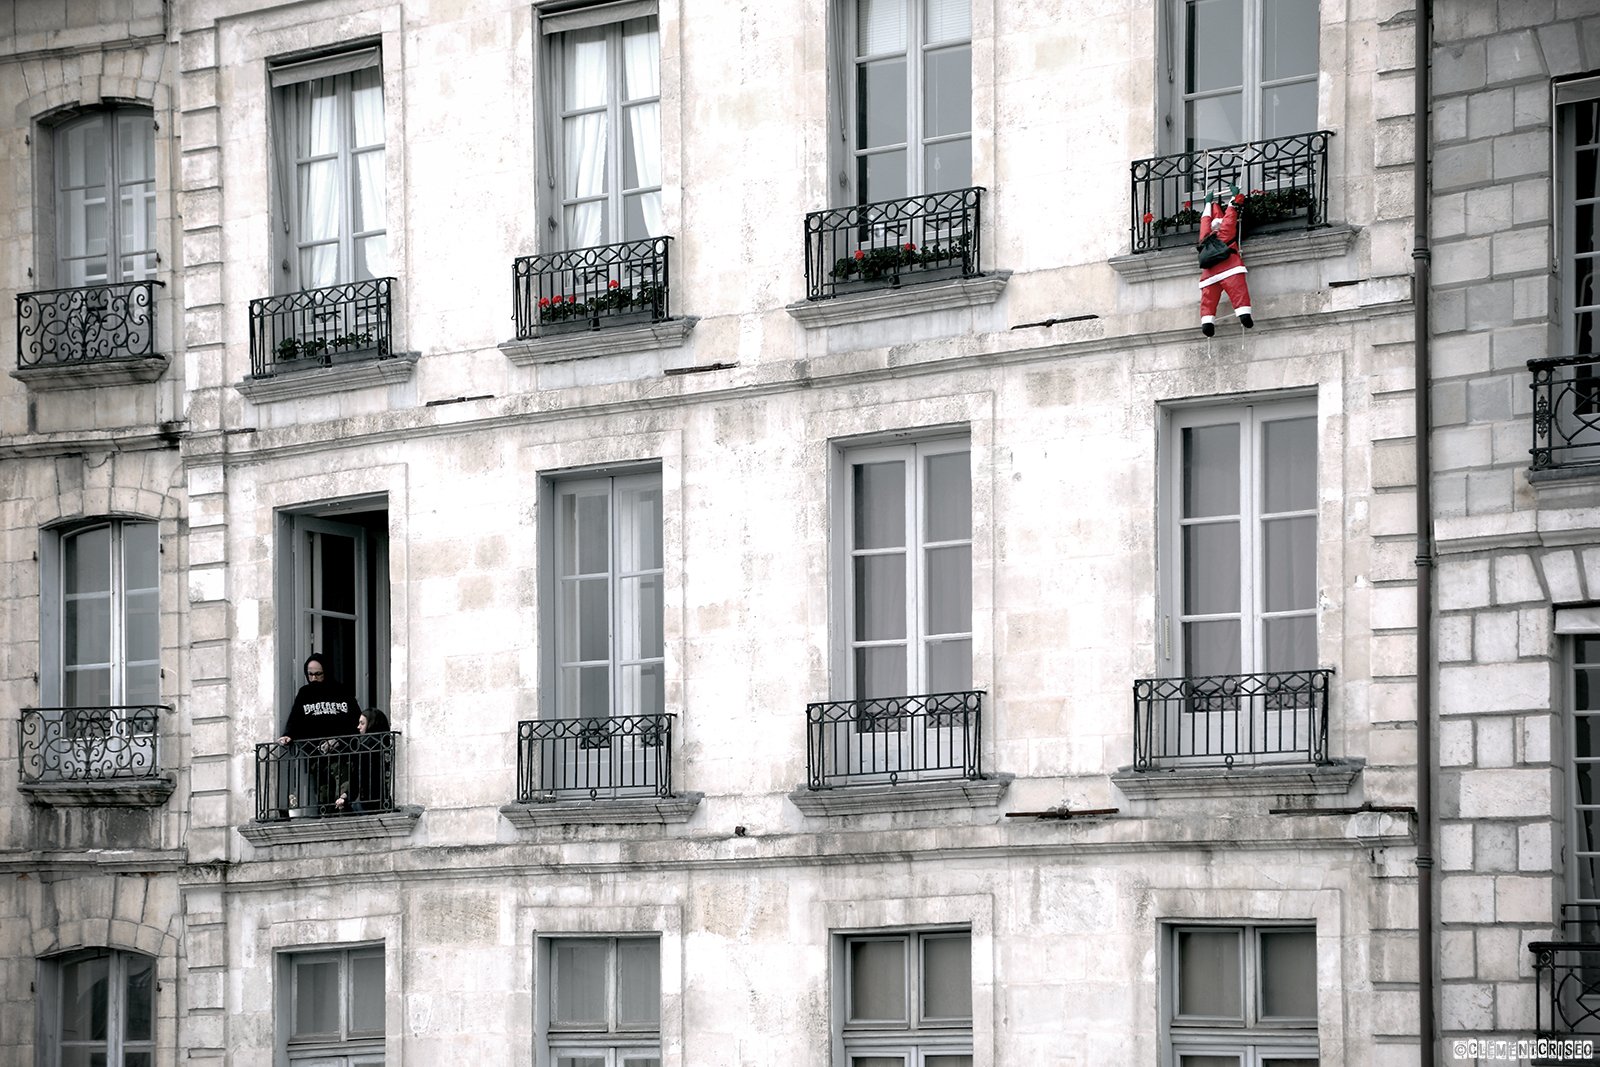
[613, 1043]
[1568, 96]
[116, 1042]
[1571, 626]
[347, 1047]
[1253, 1037]
[118, 214]
[1251, 415]
[53, 653]
[915, 1038]
[912, 454]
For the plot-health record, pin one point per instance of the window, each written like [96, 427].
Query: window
[329, 140]
[1241, 996]
[908, 568]
[1242, 506]
[906, 999]
[1578, 140]
[103, 645]
[1240, 70]
[906, 90]
[105, 198]
[330, 1007]
[334, 588]
[604, 132]
[1581, 630]
[96, 1007]
[602, 1004]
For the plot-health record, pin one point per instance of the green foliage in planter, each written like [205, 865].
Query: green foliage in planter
[1259, 208]
[875, 264]
[295, 348]
[616, 299]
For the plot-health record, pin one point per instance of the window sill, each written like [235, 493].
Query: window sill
[1572, 472]
[91, 375]
[107, 793]
[320, 381]
[916, 299]
[623, 811]
[1270, 249]
[1287, 779]
[596, 344]
[397, 823]
[906, 796]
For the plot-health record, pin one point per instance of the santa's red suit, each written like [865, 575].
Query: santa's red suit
[1228, 276]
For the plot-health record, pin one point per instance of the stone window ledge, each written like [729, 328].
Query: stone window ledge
[397, 823]
[1333, 778]
[621, 811]
[321, 381]
[127, 793]
[917, 299]
[1577, 472]
[595, 344]
[92, 375]
[1293, 246]
[904, 796]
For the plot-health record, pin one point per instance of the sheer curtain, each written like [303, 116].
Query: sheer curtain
[584, 137]
[641, 63]
[368, 221]
[316, 148]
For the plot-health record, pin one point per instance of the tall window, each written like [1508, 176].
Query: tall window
[908, 573]
[906, 999]
[98, 1007]
[330, 1007]
[602, 1002]
[605, 79]
[1583, 650]
[1242, 500]
[1241, 996]
[105, 650]
[105, 198]
[1241, 70]
[608, 608]
[908, 89]
[329, 133]
[1578, 178]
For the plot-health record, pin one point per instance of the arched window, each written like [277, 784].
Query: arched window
[105, 197]
[98, 1006]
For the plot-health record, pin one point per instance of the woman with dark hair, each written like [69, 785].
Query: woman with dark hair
[366, 786]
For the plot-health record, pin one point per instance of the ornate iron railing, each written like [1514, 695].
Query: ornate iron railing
[1567, 979]
[589, 288]
[1229, 719]
[1284, 181]
[594, 758]
[1566, 411]
[894, 739]
[894, 242]
[90, 744]
[89, 324]
[305, 779]
[321, 327]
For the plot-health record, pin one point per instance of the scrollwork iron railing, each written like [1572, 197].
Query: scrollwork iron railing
[305, 779]
[894, 242]
[320, 327]
[1566, 411]
[1228, 719]
[119, 743]
[1567, 977]
[890, 740]
[590, 288]
[594, 758]
[87, 324]
[1284, 181]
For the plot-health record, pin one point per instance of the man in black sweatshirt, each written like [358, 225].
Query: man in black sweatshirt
[322, 710]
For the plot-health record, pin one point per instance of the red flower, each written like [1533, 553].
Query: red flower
[613, 284]
[1149, 218]
[544, 301]
[1188, 205]
[572, 299]
[1255, 192]
[910, 247]
[860, 254]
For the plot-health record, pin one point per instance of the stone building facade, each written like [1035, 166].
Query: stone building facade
[809, 632]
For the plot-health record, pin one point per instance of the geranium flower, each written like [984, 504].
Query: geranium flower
[544, 301]
[613, 284]
[910, 247]
[572, 299]
[860, 254]
[1149, 218]
[1188, 205]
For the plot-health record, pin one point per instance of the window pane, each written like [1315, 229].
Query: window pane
[138, 1012]
[585, 142]
[949, 166]
[1290, 563]
[366, 993]
[949, 589]
[319, 200]
[580, 1061]
[947, 496]
[83, 999]
[881, 672]
[366, 107]
[1289, 1061]
[1211, 568]
[368, 207]
[1211, 648]
[87, 688]
[136, 1059]
[880, 597]
[87, 629]
[135, 147]
[881, 176]
[949, 20]
[1291, 644]
[641, 56]
[1289, 109]
[949, 666]
[1289, 974]
[639, 983]
[881, 103]
[316, 998]
[1210, 1060]
[877, 1061]
[1215, 121]
[639, 635]
[1289, 464]
[947, 91]
[639, 528]
[84, 158]
[947, 1061]
[139, 616]
[587, 521]
[141, 555]
[880, 26]
[87, 564]
[1208, 974]
[1288, 38]
[1215, 44]
[877, 980]
[1210, 470]
[587, 626]
[336, 580]
[317, 131]
[585, 692]
[372, 258]
[585, 68]
[947, 977]
[641, 148]
[578, 971]
[880, 505]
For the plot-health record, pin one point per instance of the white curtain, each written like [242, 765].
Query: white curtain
[949, 20]
[641, 61]
[880, 27]
[366, 98]
[318, 182]
[585, 137]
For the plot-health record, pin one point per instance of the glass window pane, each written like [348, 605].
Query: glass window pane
[877, 980]
[948, 166]
[1215, 44]
[947, 977]
[1289, 566]
[641, 54]
[585, 81]
[1210, 470]
[578, 973]
[588, 621]
[371, 193]
[881, 103]
[880, 505]
[881, 672]
[1288, 38]
[1291, 644]
[1289, 109]
[1289, 974]
[316, 997]
[947, 496]
[136, 1059]
[639, 527]
[947, 1061]
[947, 91]
[141, 555]
[335, 573]
[140, 613]
[1209, 974]
[366, 107]
[1211, 648]
[881, 176]
[1210, 1060]
[641, 148]
[580, 1061]
[880, 26]
[366, 993]
[317, 131]
[1289, 464]
[880, 597]
[877, 1061]
[138, 1011]
[949, 589]
[135, 147]
[319, 200]
[639, 983]
[87, 562]
[1215, 121]
[949, 20]
[590, 532]
[639, 627]
[84, 985]
[585, 144]
[949, 666]
[87, 688]
[585, 692]
[1211, 568]
[86, 623]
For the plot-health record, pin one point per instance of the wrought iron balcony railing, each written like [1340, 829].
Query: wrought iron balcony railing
[1284, 180]
[90, 744]
[305, 779]
[590, 288]
[1567, 981]
[89, 324]
[320, 327]
[594, 758]
[1566, 412]
[890, 740]
[894, 242]
[1231, 719]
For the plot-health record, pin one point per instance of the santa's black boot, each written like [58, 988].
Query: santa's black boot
[1207, 328]
[1247, 321]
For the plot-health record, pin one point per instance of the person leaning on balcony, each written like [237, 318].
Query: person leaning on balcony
[1229, 275]
[363, 787]
[322, 711]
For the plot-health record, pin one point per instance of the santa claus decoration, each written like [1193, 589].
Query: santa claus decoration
[1222, 267]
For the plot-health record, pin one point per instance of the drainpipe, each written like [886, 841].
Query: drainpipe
[1422, 258]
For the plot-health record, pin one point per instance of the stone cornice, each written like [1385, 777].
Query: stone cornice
[49, 445]
[109, 793]
[320, 381]
[594, 344]
[904, 796]
[1299, 779]
[919, 299]
[93, 374]
[94, 860]
[397, 823]
[622, 811]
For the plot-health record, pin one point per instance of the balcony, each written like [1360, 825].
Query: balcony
[1567, 986]
[93, 756]
[90, 335]
[1566, 417]
[892, 243]
[337, 324]
[625, 284]
[1285, 182]
[616, 769]
[299, 785]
